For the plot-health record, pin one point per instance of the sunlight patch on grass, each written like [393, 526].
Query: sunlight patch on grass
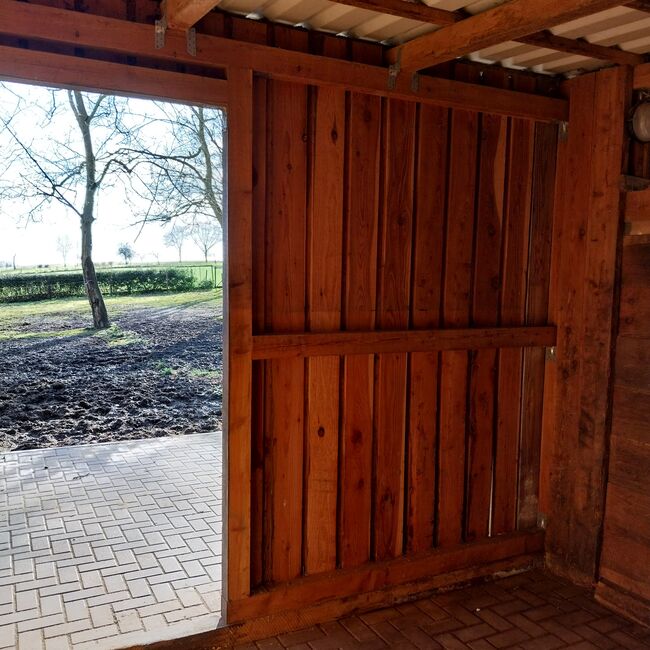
[116, 305]
[115, 336]
[211, 374]
[12, 335]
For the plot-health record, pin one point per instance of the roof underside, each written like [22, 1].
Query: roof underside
[622, 27]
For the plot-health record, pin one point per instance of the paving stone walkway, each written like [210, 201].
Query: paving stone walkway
[528, 611]
[110, 545]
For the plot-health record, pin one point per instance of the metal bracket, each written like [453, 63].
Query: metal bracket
[393, 71]
[159, 33]
[563, 132]
[191, 41]
[415, 82]
[551, 354]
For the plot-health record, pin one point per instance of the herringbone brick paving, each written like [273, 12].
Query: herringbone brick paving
[528, 611]
[109, 545]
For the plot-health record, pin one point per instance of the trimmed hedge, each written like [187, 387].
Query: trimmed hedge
[45, 286]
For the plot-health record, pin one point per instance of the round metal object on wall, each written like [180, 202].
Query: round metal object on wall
[641, 122]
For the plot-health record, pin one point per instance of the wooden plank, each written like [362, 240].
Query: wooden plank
[637, 206]
[411, 10]
[641, 76]
[260, 136]
[238, 338]
[627, 605]
[581, 47]
[285, 311]
[456, 313]
[431, 181]
[65, 71]
[485, 312]
[360, 294]
[182, 14]
[396, 233]
[537, 307]
[512, 312]
[31, 21]
[505, 22]
[590, 222]
[380, 575]
[327, 611]
[424, 13]
[278, 346]
[325, 268]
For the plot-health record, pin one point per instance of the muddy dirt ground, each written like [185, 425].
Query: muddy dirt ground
[157, 372]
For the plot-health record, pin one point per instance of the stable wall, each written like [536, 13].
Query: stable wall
[374, 215]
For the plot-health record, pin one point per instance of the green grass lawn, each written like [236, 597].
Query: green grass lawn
[13, 312]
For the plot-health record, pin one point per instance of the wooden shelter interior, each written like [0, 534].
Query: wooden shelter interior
[438, 283]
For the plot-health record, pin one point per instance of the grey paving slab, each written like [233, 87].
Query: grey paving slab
[110, 545]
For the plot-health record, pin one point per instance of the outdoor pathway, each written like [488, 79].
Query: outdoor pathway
[109, 545]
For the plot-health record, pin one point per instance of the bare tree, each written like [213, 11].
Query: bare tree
[63, 247]
[184, 172]
[206, 235]
[126, 251]
[176, 237]
[69, 166]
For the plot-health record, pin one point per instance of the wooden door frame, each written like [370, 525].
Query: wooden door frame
[234, 95]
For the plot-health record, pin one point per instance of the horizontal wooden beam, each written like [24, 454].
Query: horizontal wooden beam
[343, 583]
[423, 13]
[582, 48]
[108, 34]
[637, 213]
[276, 346]
[17, 64]
[182, 14]
[505, 22]
[413, 10]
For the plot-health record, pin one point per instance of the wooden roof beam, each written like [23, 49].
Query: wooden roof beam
[417, 10]
[183, 14]
[507, 22]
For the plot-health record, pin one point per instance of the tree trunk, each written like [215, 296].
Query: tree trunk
[94, 293]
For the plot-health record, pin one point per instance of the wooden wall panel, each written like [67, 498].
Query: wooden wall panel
[625, 558]
[381, 215]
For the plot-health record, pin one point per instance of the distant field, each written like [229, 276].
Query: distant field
[201, 270]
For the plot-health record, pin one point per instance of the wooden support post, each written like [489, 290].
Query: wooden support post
[588, 212]
[238, 336]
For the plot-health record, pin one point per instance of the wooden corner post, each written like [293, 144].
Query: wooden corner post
[587, 227]
[238, 336]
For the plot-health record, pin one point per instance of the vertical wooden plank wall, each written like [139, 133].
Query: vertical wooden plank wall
[624, 569]
[379, 214]
[587, 229]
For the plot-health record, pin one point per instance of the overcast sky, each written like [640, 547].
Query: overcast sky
[35, 243]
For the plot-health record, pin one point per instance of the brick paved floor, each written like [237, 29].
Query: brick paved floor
[105, 546]
[532, 611]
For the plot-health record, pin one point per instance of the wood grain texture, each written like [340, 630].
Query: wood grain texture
[325, 241]
[361, 223]
[285, 310]
[238, 338]
[456, 313]
[428, 241]
[590, 212]
[392, 313]
[485, 312]
[505, 22]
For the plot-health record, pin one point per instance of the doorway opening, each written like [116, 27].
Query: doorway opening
[111, 375]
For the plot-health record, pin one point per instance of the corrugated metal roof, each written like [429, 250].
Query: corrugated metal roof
[623, 27]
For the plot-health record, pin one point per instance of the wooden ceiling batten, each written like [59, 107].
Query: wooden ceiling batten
[183, 14]
[506, 22]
